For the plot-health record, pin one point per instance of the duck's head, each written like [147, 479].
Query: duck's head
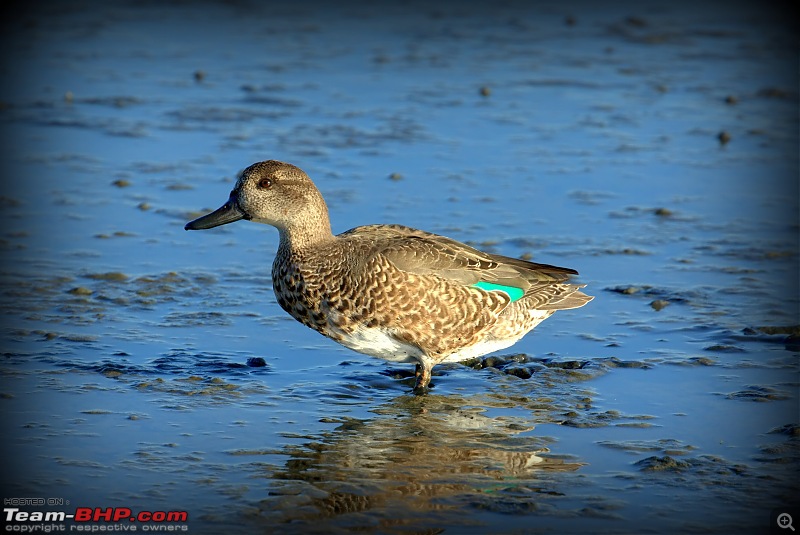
[275, 193]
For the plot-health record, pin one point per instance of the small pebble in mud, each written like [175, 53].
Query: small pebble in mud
[80, 290]
[121, 183]
[698, 361]
[115, 276]
[658, 304]
[773, 92]
[793, 430]
[395, 177]
[256, 362]
[724, 348]
[723, 137]
[758, 393]
[521, 372]
[790, 330]
[179, 187]
[663, 212]
[485, 91]
[626, 290]
[636, 22]
[730, 99]
[199, 76]
[655, 464]
[143, 206]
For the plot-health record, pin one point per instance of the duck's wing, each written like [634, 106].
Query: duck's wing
[424, 253]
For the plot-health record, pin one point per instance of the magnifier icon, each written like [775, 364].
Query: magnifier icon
[785, 521]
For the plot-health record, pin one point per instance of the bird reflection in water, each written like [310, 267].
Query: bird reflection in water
[417, 464]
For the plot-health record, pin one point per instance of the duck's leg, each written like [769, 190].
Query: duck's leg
[423, 374]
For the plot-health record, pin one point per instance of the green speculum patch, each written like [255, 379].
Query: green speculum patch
[513, 292]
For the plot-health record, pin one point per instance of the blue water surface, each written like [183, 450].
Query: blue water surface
[651, 146]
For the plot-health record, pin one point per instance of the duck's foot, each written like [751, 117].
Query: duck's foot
[421, 390]
[423, 384]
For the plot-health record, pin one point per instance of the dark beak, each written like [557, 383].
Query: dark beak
[227, 213]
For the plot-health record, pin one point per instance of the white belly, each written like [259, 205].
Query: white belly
[380, 343]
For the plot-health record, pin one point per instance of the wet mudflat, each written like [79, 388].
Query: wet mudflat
[651, 147]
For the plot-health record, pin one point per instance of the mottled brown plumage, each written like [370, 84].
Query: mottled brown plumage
[391, 291]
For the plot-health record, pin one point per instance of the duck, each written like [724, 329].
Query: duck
[388, 290]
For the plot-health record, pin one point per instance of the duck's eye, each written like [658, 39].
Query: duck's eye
[265, 183]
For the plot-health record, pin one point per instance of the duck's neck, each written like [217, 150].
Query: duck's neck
[306, 233]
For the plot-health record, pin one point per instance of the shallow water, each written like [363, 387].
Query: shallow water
[580, 137]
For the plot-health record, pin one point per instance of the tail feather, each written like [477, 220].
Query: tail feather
[574, 299]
